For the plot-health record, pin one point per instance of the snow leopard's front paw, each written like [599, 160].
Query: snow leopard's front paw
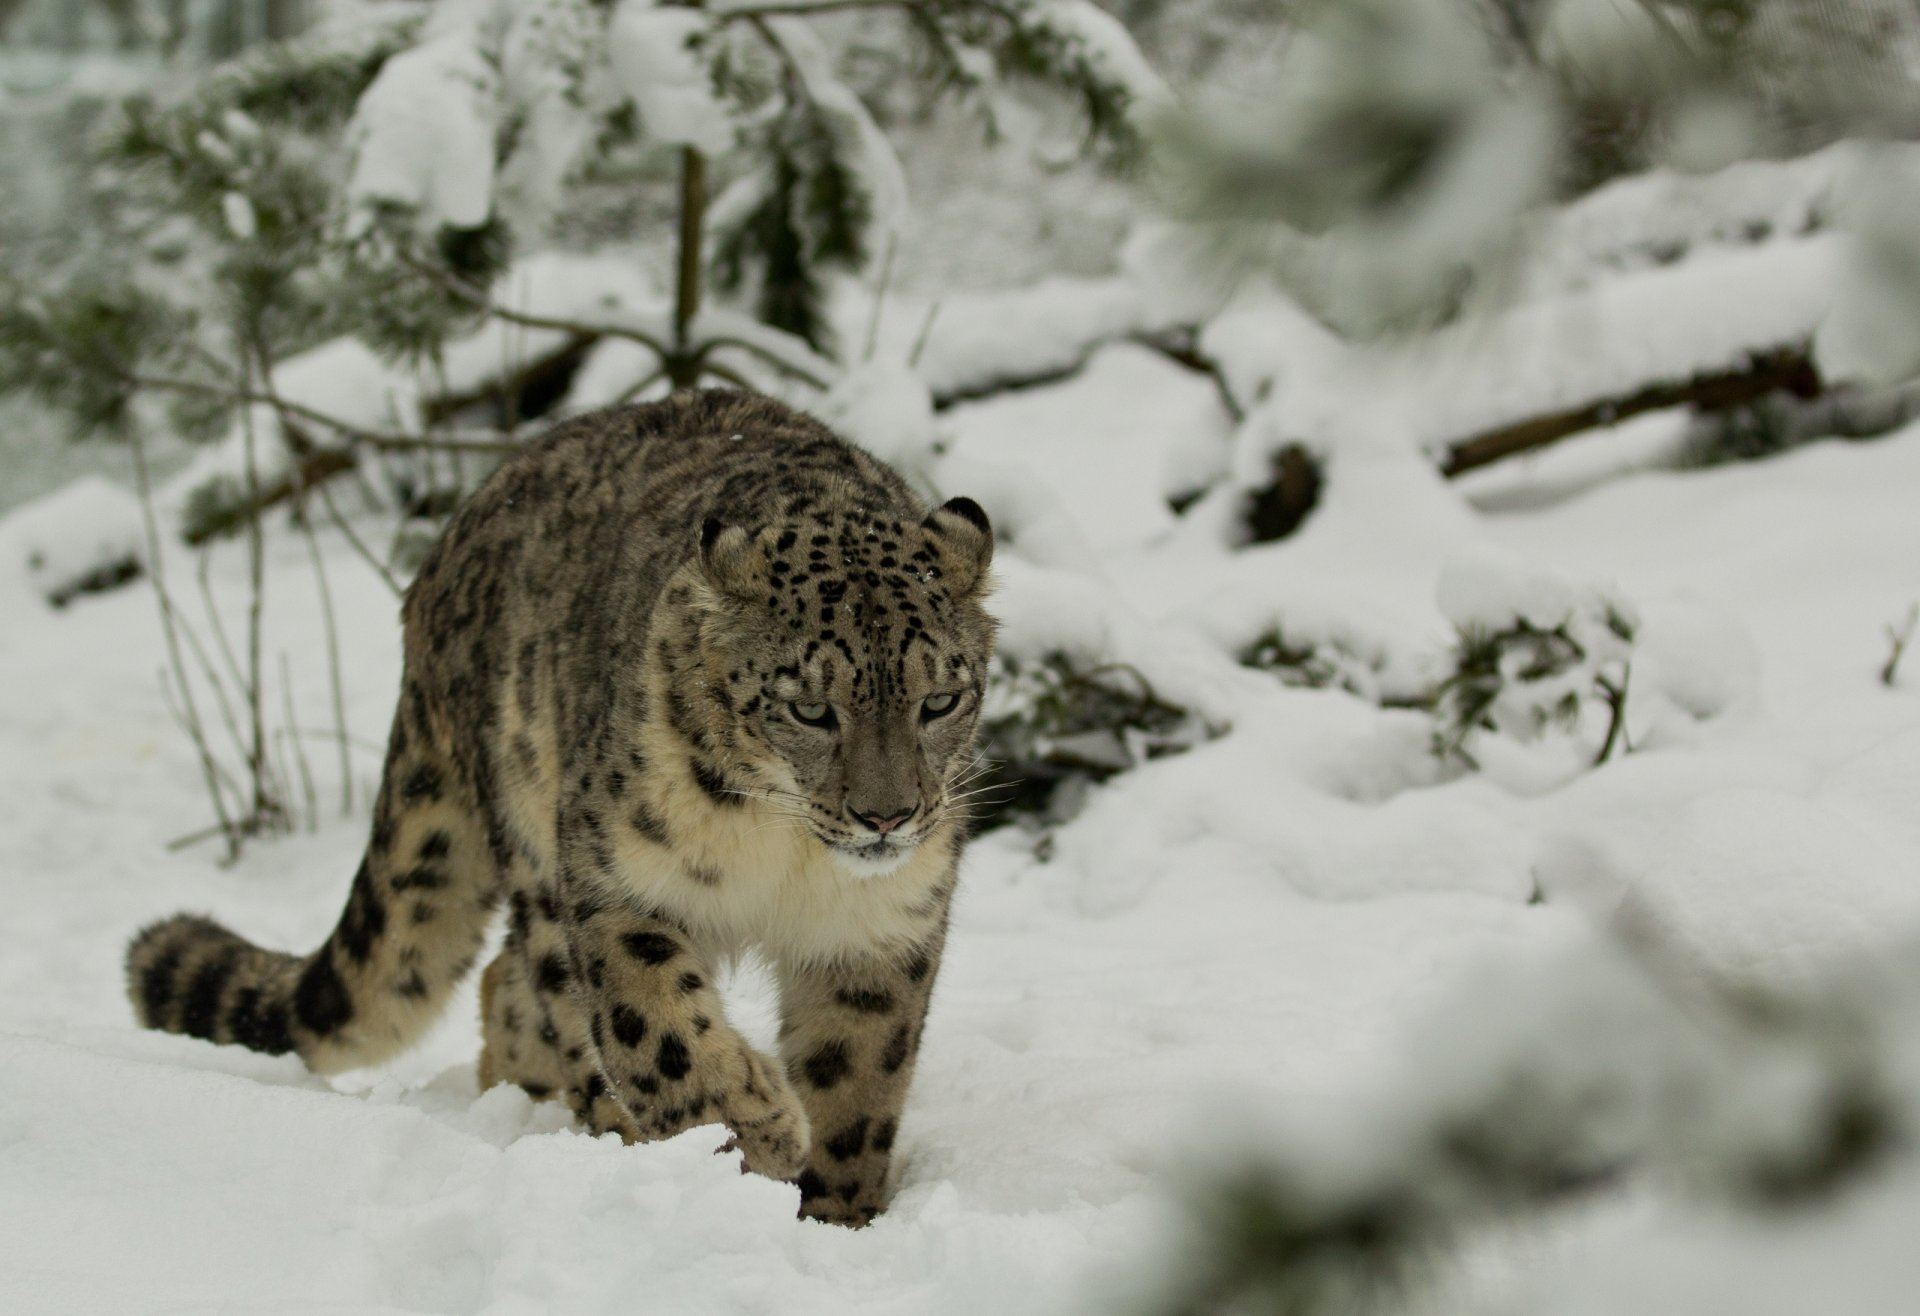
[769, 1124]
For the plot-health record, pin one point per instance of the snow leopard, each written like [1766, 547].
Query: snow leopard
[681, 682]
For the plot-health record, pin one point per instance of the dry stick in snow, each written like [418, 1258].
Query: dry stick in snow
[189, 712]
[1783, 369]
[1899, 636]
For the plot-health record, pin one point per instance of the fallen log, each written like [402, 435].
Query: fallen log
[1788, 370]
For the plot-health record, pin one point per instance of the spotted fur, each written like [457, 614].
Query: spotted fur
[681, 680]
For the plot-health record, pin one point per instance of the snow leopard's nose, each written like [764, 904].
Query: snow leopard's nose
[883, 825]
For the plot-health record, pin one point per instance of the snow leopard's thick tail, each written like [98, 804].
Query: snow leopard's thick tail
[414, 922]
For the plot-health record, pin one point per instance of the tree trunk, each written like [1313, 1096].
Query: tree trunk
[683, 370]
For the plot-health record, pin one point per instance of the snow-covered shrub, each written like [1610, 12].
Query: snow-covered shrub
[1319, 664]
[375, 179]
[83, 537]
[1050, 729]
[1545, 1080]
[1390, 168]
[1532, 655]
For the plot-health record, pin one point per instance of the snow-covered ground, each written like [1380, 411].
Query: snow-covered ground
[1245, 929]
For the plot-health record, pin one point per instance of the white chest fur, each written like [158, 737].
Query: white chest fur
[751, 875]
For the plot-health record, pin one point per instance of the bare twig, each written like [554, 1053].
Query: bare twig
[880, 297]
[195, 729]
[632, 391]
[305, 519]
[697, 351]
[1181, 346]
[291, 732]
[223, 780]
[360, 743]
[215, 681]
[1899, 637]
[386, 440]
[478, 298]
[200, 573]
[921, 339]
[1616, 697]
[332, 632]
[194, 838]
[454, 458]
[304, 477]
[713, 342]
[359, 544]
[726, 373]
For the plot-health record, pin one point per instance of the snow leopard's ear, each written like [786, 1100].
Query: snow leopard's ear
[727, 560]
[966, 544]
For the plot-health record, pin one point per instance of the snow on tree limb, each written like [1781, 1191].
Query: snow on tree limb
[423, 134]
[1093, 38]
[650, 52]
[863, 147]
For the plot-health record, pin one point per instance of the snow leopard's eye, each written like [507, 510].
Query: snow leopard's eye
[937, 706]
[814, 715]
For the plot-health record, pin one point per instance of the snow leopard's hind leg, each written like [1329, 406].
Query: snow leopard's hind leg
[520, 1042]
[534, 1032]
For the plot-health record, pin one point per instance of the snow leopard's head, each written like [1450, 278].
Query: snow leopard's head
[852, 649]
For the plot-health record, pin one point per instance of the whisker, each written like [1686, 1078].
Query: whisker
[957, 796]
[972, 771]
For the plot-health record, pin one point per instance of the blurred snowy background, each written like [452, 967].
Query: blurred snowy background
[1455, 838]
